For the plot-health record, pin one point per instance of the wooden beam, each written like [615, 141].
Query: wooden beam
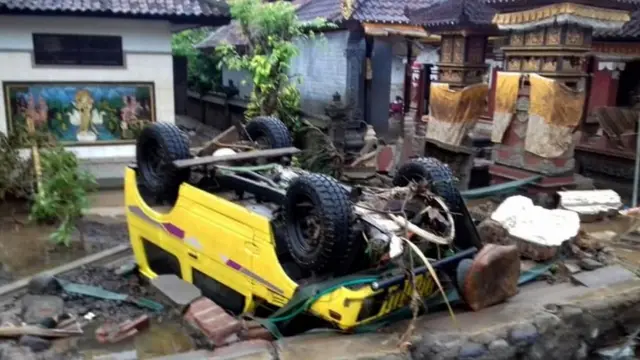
[249, 155]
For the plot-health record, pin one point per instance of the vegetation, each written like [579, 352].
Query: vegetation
[64, 189]
[63, 195]
[203, 74]
[270, 28]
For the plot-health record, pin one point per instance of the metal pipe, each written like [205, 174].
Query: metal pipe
[636, 173]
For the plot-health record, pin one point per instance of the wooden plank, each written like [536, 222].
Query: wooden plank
[249, 155]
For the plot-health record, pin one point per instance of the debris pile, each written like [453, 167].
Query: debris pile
[554, 236]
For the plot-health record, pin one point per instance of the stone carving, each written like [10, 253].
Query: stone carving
[535, 38]
[575, 36]
[458, 50]
[550, 65]
[445, 50]
[532, 64]
[514, 64]
[516, 39]
[355, 54]
[451, 75]
[553, 35]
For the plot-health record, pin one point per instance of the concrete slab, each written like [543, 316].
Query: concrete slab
[180, 292]
[605, 276]
[192, 355]
[321, 346]
[529, 300]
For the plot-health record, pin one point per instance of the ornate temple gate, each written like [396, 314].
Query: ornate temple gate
[458, 98]
[541, 98]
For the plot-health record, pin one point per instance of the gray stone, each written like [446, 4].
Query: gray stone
[43, 284]
[471, 350]
[582, 352]
[125, 355]
[498, 345]
[192, 355]
[36, 344]
[483, 337]
[523, 334]
[605, 276]
[340, 347]
[589, 264]
[180, 292]
[36, 308]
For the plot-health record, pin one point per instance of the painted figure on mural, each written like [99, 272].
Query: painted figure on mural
[86, 117]
[81, 113]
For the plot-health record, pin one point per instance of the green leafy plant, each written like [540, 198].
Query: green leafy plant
[17, 178]
[270, 29]
[63, 196]
[203, 74]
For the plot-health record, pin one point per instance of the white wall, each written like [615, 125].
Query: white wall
[322, 65]
[147, 47]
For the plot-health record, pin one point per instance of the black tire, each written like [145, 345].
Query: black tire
[320, 199]
[156, 148]
[442, 184]
[269, 131]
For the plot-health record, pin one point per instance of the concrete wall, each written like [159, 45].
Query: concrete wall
[147, 48]
[321, 66]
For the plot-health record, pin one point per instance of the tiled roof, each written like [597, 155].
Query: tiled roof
[230, 34]
[156, 8]
[610, 4]
[312, 9]
[630, 30]
[444, 13]
[381, 11]
[378, 11]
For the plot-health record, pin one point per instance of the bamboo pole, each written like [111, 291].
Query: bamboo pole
[35, 153]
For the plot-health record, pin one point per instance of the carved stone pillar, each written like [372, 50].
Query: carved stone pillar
[355, 53]
[462, 59]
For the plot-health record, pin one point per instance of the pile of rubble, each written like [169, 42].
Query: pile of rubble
[554, 235]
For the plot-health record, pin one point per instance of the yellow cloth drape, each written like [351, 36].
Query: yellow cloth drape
[454, 112]
[506, 97]
[554, 113]
[555, 102]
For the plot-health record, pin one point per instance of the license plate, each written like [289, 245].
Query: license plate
[398, 297]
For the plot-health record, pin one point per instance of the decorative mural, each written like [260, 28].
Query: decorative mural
[81, 112]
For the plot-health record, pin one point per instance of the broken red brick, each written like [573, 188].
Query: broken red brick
[385, 159]
[256, 334]
[112, 333]
[243, 348]
[252, 329]
[212, 321]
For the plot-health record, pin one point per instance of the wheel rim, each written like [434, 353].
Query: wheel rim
[307, 227]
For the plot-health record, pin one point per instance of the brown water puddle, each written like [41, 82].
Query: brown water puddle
[26, 249]
[161, 338]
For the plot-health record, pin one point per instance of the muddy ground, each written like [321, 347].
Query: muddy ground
[25, 247]
[166, 334]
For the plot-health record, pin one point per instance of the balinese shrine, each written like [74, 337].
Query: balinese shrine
[457, 98]
[559, 95]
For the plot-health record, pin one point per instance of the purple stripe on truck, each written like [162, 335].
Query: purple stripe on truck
[180, 234]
